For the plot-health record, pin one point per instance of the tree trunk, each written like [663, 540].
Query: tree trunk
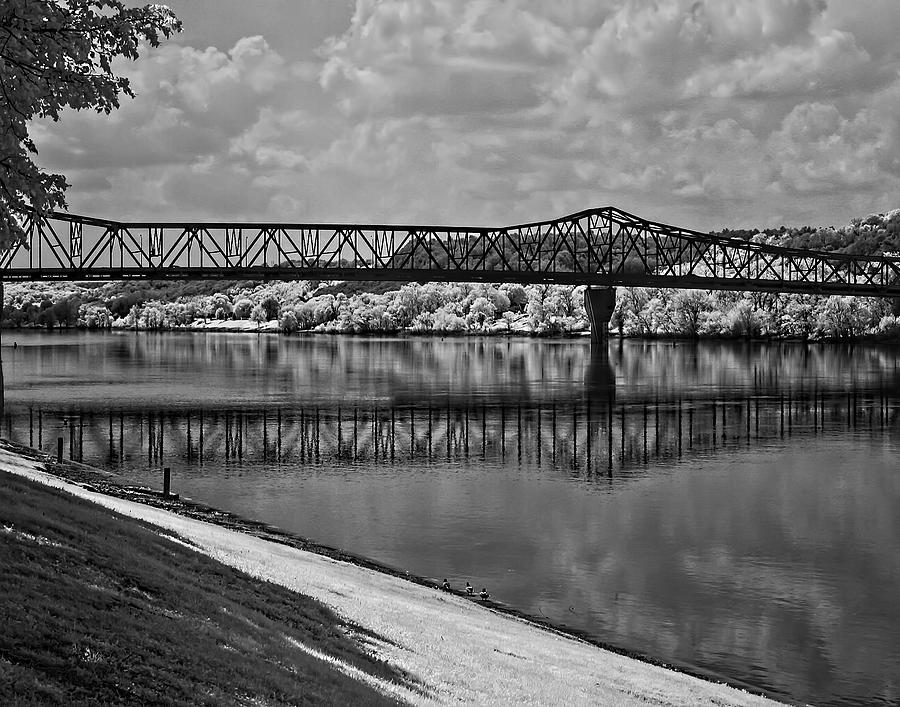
[2, 391]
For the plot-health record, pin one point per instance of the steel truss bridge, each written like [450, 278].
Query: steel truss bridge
[601, 247]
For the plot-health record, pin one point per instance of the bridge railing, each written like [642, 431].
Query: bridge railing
[599, 246]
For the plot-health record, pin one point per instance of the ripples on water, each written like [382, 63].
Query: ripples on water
[726, 507]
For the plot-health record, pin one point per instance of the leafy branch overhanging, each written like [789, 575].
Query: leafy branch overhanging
[57, 54]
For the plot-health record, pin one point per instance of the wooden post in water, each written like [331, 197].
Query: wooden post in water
[167, 479]
[59, 450]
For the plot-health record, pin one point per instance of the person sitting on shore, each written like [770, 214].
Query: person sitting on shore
[446, 585]
[470, 590]
[484, 594]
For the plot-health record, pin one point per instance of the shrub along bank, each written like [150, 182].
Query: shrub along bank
[449, 309]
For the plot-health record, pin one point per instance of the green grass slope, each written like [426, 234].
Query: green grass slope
[99, 609]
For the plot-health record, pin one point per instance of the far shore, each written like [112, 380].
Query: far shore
[462, 650]
[245, 327]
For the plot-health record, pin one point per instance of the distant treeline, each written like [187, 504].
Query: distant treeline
[475, 308]
[874, 235]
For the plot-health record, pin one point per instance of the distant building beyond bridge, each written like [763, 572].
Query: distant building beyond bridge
[600, 247]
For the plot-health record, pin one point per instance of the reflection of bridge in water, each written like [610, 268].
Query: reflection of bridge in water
[585, 437]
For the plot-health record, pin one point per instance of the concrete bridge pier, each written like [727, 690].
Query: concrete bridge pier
[599, 303]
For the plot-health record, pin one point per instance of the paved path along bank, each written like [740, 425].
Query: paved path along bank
[462, 652]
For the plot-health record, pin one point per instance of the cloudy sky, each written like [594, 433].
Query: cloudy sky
[702, 113]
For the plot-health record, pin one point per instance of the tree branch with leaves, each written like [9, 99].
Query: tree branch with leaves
[57, 54]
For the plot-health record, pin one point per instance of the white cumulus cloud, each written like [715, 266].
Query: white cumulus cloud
[700, 112]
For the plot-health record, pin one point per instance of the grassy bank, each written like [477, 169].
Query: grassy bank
[101, 609]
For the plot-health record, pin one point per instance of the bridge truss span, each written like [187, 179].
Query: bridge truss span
[602, 247]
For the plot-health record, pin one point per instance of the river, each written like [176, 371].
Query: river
[728, 508]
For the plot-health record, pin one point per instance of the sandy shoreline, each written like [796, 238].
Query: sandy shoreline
[461, 651]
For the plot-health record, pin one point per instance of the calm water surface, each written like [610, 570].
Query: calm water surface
[730, 508]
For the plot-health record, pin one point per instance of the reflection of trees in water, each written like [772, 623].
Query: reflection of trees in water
[331, 368]
[673, 366]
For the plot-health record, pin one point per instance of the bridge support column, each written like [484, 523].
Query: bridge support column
[599, 303]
